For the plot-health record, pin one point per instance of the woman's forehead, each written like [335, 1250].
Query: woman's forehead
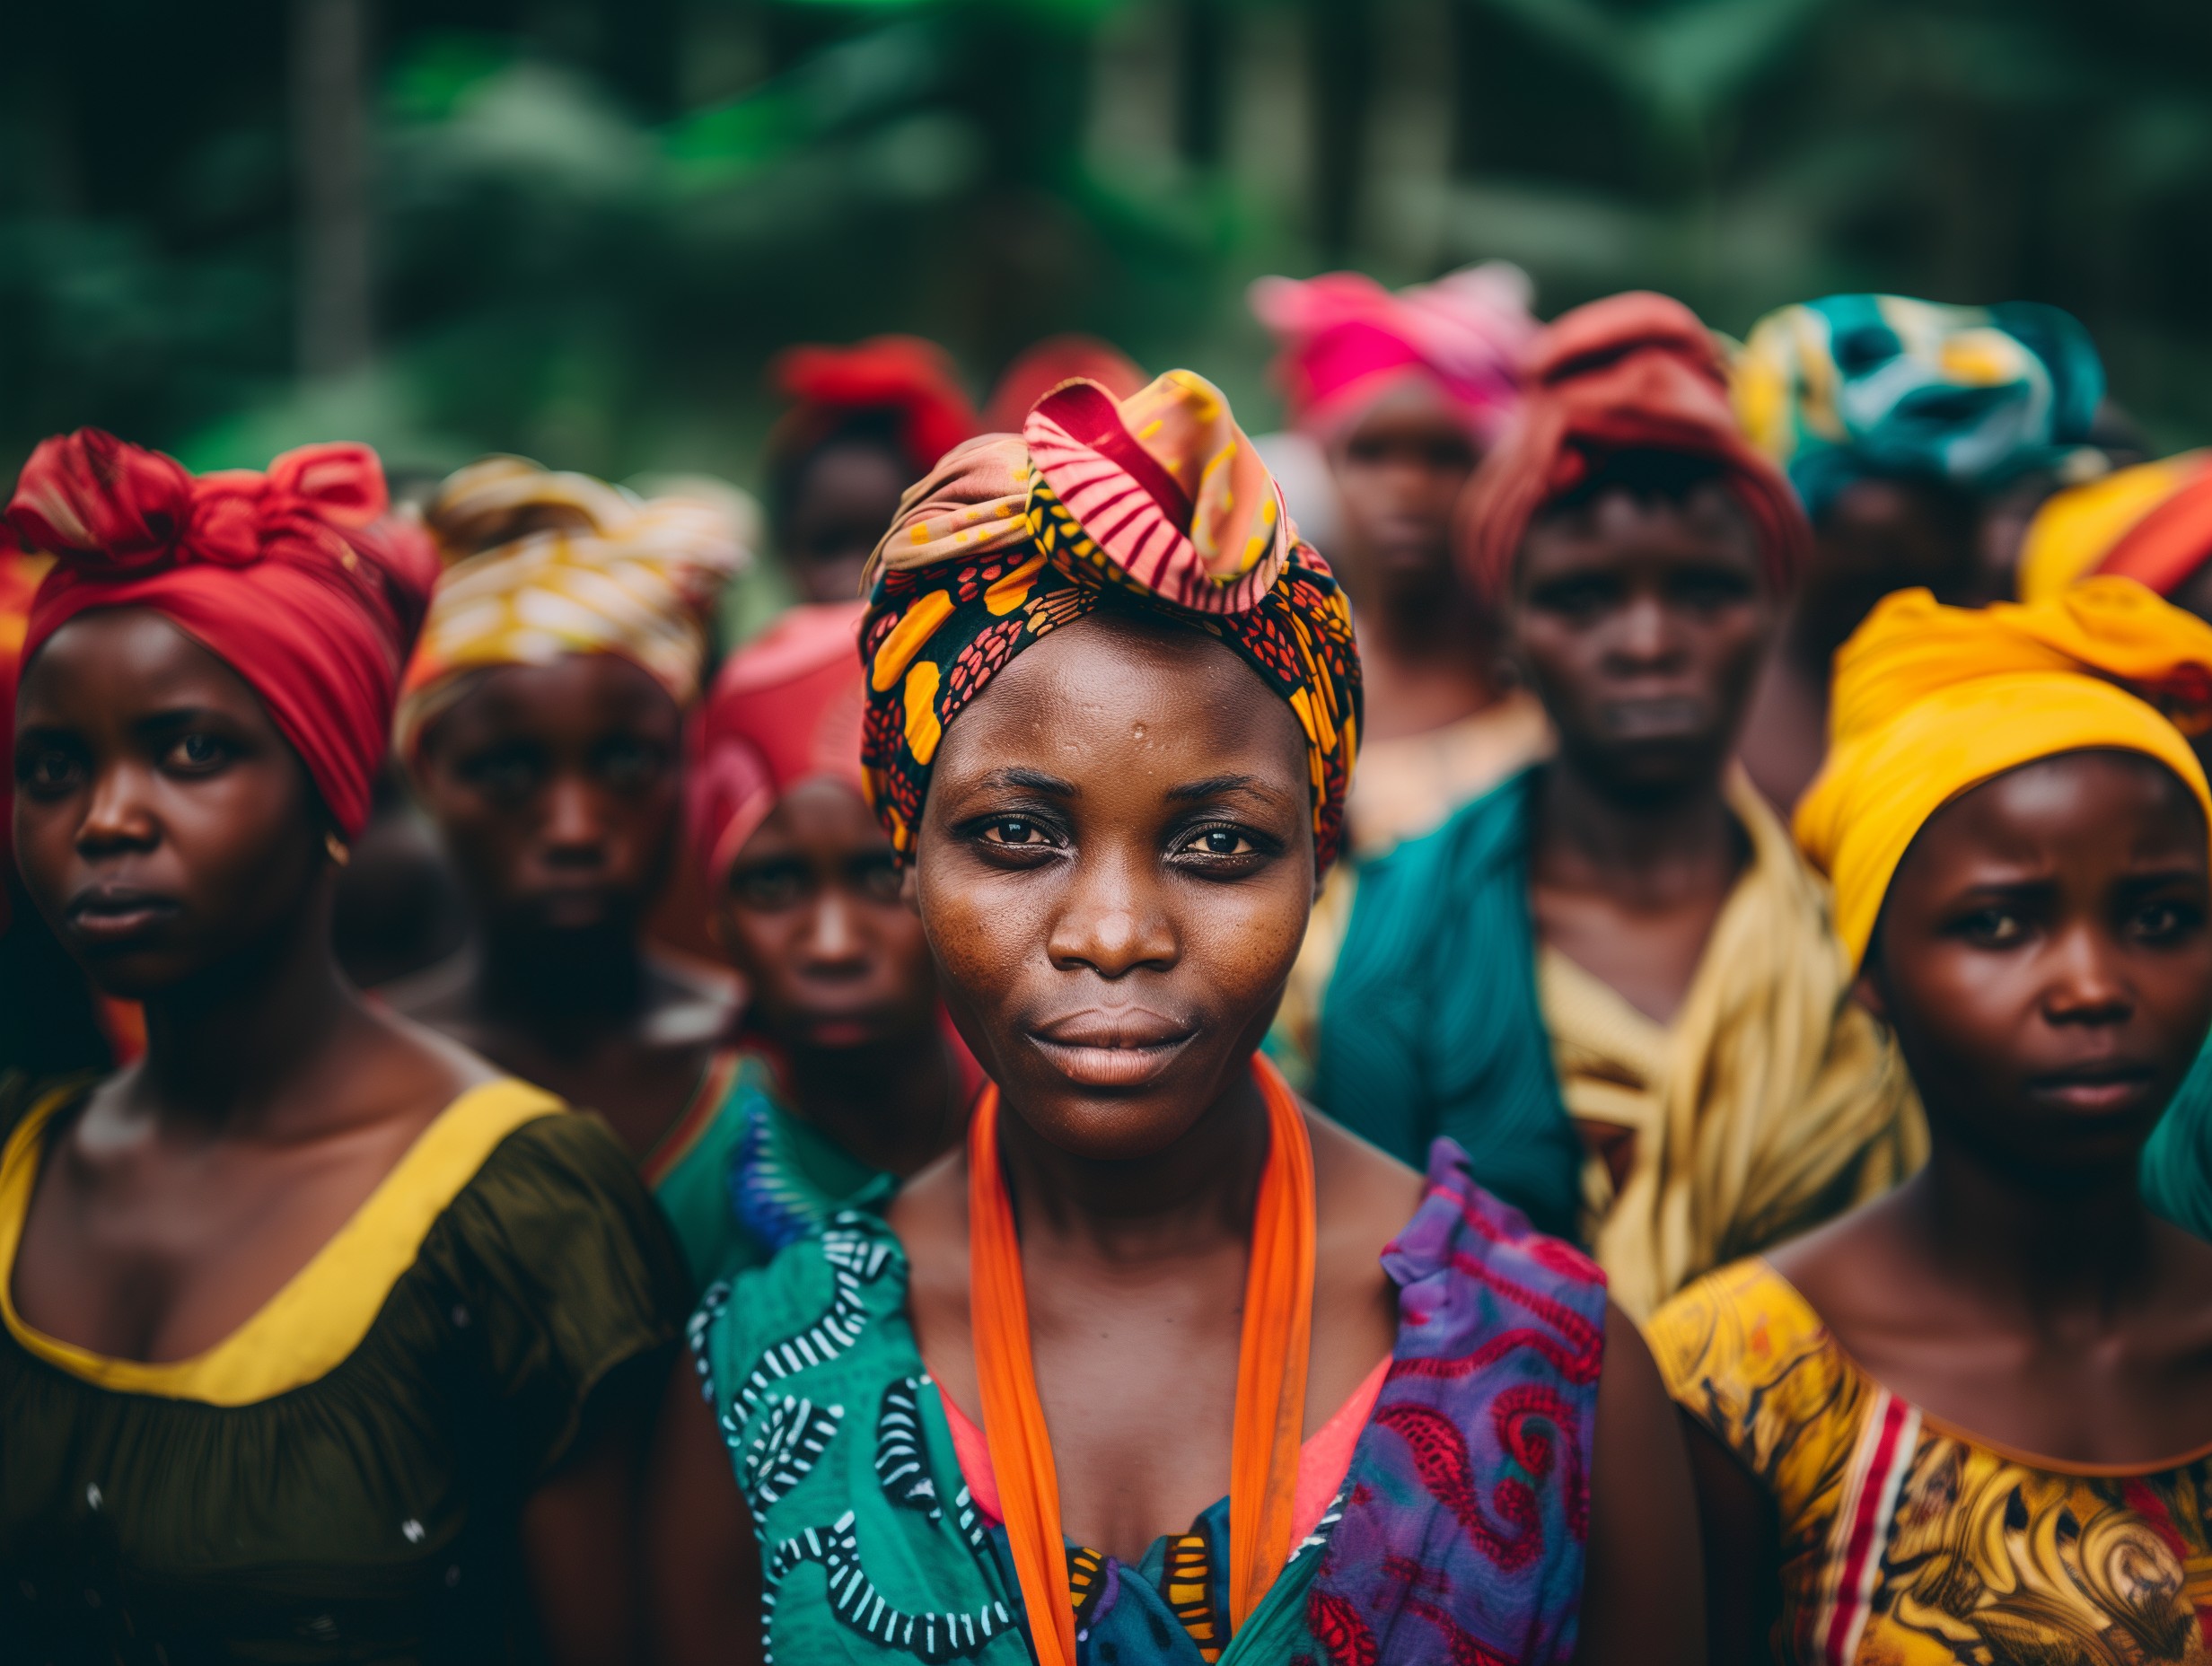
[1118, 679]
[134, 655]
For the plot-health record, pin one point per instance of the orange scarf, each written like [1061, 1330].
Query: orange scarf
[1270, 1378]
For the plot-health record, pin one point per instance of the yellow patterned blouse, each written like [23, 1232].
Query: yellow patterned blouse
[1907, 1542]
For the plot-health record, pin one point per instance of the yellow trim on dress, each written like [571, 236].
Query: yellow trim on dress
[321, 1315]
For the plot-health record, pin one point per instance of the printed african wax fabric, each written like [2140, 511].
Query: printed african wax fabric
[1906, 1541]
[1458, 1534]
[1155, 502]
[2152, 523]
[1931, 700]
[341, 1480]
[541, 564]
[1770, 1103]
[1852, 386]
[298, 579]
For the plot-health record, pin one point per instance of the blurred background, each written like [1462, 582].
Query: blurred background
[578, 228]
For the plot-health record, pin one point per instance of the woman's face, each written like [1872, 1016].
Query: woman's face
[1641, 625]
[1115, 867]
[1399, 470]
[812, 916]
[556, 788]
[162, 823]
[2044, 956]
[841, 505]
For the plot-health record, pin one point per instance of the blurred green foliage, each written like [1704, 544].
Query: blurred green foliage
[592, 223]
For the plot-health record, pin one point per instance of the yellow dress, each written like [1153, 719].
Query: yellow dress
[1908, 1542]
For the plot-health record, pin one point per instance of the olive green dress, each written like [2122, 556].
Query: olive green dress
[340, 1478]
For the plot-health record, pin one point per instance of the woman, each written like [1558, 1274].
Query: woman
[542, 719]
[1114, 709]
[1970, 1421]
[319, 1339]
[1404, 393]
[1613, 980]
[1896, 419]
[844, 1073]
[862, 421]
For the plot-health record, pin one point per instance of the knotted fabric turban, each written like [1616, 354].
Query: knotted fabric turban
[1632, 372]
[1858, 385]
[784, 709]
[1158, 501]
[1346, 341]
[296, 579]
[1931, 701]
[2152, 523]
[544, 564]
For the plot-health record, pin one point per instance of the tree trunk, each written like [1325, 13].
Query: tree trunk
[330, 120]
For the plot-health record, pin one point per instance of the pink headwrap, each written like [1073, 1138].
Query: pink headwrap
[293, 578]
[786, 708]
[1346, 341]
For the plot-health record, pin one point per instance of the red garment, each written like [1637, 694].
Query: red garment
[785, 707]
[294, 578]
[1044, 365]
[914, 380]
[1635, 372]
[2168, 546]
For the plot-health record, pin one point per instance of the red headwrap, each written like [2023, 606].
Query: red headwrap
[1044, 365]
[293, 578]
[912, 380]
[785, 707]
[1636, 371]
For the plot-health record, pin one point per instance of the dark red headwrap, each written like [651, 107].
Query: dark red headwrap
[294, 578]
[1632, 372]
[912, 381]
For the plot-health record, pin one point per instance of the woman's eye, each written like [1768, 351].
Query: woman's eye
[878, 878]
[508, 778]
[1222, 842]
[2161, 920]
[769, 889]
[196, 751]
[48, 770]
[1995, 928]
[1013, 831]
[628, 765]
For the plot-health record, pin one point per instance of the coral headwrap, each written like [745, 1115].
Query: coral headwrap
[1855, 385]
[912, 381]
[294, 578]
[784, 709]
[1155, 501]
[1931, 701]
[1635, 372]
[2152, 523]
[1346, 341]
[546, 565]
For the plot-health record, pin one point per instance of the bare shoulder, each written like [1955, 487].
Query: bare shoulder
[1363, 1196]
[2180, 1312]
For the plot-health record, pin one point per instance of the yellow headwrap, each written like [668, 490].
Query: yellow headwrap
[543, 565]
[1932, 701]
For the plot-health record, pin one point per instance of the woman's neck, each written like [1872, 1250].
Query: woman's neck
[2040, 1248]
[893, 1107]
[232, 1045]
[563, 987]
[1650, 850]
[1165, 1206]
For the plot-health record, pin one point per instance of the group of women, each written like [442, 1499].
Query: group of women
[1080, 1170]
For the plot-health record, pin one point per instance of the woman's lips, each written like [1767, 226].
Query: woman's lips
[1123, 1046]
[107, 920]
[2098, 1091]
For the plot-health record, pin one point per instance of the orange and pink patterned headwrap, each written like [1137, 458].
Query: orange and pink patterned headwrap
[1155, 502]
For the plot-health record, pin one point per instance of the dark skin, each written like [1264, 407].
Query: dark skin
[842, 500]
[2044, 956]
[1878, 536]
[840, 978]
[176, 844]
[1115, 895]
[1425, 652]
[1640, 623]
[557, 789]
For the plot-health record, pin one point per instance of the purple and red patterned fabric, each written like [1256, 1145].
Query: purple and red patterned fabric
[1467, 1504]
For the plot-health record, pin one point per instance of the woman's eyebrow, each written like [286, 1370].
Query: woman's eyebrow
[1035, 780]
[1216, 787]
